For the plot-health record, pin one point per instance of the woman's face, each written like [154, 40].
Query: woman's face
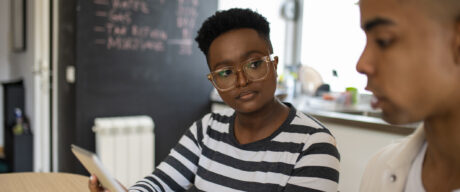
[229, 50]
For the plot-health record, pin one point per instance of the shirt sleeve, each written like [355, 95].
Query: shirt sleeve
[317, 167]
[177, 171]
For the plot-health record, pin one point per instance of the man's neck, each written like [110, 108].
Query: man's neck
[441, 167]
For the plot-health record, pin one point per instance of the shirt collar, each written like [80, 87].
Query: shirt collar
[408, 150]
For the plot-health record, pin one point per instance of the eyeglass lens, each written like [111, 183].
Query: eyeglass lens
[254, 70]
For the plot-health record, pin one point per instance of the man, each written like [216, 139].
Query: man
[412, 62]
[261, 144]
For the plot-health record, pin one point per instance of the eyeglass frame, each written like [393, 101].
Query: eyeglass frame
[268, 59]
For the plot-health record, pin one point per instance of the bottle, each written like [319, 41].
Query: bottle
[335, 85]
[20, 126]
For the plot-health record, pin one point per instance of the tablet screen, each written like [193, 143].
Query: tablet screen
[92, 163]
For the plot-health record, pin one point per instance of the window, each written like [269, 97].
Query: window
[332, 40]
[331, 37]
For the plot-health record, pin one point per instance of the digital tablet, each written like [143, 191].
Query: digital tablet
[92, 163]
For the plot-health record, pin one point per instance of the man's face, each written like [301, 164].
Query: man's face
[232, 48]
[409, 61]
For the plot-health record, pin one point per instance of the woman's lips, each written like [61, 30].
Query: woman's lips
[246, 95]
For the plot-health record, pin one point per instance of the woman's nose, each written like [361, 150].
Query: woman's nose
[242, 80]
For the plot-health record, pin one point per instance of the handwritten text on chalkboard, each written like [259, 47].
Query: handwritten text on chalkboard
[118, 30]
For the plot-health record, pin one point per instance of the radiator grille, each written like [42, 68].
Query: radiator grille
[125, 146]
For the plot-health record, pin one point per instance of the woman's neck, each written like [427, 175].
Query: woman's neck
[265, 115]
[249, 127]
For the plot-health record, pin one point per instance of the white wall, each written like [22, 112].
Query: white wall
[356, 147]
[32, 66]
[21, 67]
[4, 63]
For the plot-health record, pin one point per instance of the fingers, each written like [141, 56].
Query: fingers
[94, 185]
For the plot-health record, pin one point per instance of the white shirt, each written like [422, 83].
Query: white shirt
[414, 179]
[388, 170]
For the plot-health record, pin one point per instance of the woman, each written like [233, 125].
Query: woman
[261, 144]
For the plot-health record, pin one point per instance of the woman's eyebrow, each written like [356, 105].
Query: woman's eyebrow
[243, 57]
[249, 53]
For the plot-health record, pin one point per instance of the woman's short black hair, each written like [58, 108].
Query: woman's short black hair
[236, 18]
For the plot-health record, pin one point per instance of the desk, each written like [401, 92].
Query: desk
[37, 182]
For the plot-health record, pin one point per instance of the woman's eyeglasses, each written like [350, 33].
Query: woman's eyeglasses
[255, 69]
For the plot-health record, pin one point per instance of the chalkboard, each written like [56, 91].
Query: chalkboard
[139, 57]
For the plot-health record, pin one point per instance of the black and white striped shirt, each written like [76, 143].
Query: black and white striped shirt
[300, 156]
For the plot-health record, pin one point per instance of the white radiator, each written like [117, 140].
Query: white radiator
[125, 146]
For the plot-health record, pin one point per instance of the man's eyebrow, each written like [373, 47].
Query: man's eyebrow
[370, 24]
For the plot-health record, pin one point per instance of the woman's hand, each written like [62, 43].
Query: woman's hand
[94, 185]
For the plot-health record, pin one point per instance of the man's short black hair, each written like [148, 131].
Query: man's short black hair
[223, 21]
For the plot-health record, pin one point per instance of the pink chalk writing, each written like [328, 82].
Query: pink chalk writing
[125, 27]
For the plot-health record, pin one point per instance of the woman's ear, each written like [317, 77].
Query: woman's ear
[276, 62]
[457, 42]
